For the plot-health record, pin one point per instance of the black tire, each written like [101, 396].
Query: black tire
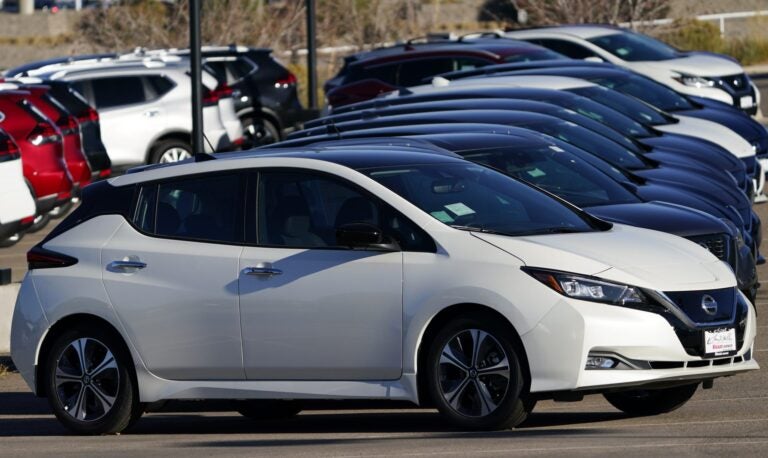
[260, 131]
[164, 146]
[651, 402]
[503, 406]
[268, 409]
[118, 382]
[61, 211]
[12, 240]
[39, 224]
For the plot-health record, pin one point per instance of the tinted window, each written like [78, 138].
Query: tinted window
[240, 68]
[118, 91]
[553, 169]
[469, 196]
[635, 47]
[412, 73]
[606, 115]
[301, 209]
[160, 85]
[566, 48]
[206, 208]
[386, 73]
[646, 90]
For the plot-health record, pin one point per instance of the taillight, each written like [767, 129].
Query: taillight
[287, 81]
[105, 173]
[89, 115]
[212, 97]
[8, 150]
[40, 258]
[43, 133]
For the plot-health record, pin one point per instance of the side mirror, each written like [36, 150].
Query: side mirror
[364, 236]
[594, 59]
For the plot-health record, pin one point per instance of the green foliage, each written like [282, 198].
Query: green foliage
[694, 35]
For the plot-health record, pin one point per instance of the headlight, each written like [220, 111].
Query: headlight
[588, 288]
[693, 80]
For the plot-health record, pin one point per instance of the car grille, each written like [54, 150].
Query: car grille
[690, 303]
[716, 244]
[736, 83]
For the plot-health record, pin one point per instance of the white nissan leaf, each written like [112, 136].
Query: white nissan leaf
[364, 274]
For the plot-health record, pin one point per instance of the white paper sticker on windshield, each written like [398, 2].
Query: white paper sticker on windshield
[536, 173]
[442, 216]
[459, 209]
[556, 149]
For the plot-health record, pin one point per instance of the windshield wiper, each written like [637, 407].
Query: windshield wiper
[478, 229]
[552, 230]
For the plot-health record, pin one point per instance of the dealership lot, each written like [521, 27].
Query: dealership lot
[731, 418]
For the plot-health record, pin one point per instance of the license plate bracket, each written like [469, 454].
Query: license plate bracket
[719, 342]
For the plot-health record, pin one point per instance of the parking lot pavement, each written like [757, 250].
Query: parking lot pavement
[731, 418]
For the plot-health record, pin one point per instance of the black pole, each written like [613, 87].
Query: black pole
[196, 64]
[311, 54]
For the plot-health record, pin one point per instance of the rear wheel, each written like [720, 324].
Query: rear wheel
[61, 210]
[90, 383]
[268, 409]
[40, 222]
[12, 240]
[474, 375]
[168, 151]
[260, 131]
[651, 402]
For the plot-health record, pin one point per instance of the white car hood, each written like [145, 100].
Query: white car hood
[695, 64]
[624, 254]
[711, 131]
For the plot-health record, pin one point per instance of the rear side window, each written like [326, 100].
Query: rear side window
[201, 208]
[566, 48]
[412, 73]
[159, 85]
[118, 91]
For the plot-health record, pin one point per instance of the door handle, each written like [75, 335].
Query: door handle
[125, 266]
[262, 270]
[151, 113]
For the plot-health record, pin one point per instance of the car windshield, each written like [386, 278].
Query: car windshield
[472, 197]
[606, 115]
[553, 169]
[544, 54]
[634, 47]
[646, 90]
[596, 144]
[626, 105]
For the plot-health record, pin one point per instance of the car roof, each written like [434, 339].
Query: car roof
[583, 31]
[540, 81]
[493, 49]
[58, 71]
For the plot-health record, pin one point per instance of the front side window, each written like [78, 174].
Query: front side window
[565, 48]
[634, 47]
[303, 210]
[648, 91]
[629, 106]
[118, 91]
[199, 208]
[473, 197]
[414, 72]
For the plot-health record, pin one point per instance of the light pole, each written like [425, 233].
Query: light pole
[196, 67]
[311, 54]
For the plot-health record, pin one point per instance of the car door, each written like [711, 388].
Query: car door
[131, 116]
[312, 310]
[171, 275]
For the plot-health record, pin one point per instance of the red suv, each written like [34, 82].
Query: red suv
[42, 150]
[77, 164]
[368, 74]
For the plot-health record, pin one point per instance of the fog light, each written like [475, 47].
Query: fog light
[600, 362]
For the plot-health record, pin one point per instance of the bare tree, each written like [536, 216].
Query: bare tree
[546, 12]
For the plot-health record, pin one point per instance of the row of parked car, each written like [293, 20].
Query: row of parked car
[130, 109]
[476, 241]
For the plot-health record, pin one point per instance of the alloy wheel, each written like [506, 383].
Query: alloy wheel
[474, 373]
[87, 379]
[174, 154]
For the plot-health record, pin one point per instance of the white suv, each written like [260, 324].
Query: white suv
[695, 73]
[364, 273]
[17, 205]
[144, 107]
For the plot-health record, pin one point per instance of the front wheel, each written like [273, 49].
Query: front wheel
[474, 375]
[651, 402]
[90, 384]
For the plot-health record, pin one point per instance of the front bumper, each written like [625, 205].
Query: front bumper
[558, 347]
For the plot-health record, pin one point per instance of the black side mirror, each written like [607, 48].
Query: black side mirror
[364, 236]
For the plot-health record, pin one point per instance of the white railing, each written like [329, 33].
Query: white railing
[720, 17]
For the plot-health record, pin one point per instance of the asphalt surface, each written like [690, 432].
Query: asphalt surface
[729, 419]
